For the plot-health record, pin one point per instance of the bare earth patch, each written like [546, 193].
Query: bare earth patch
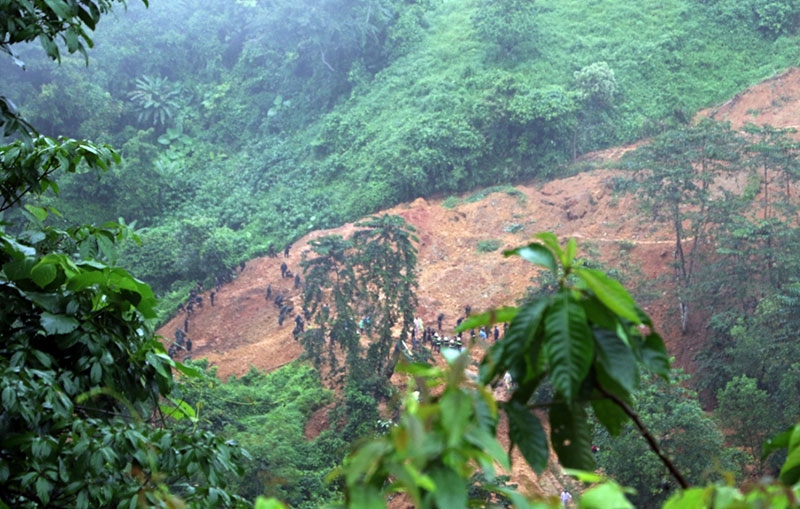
[241, 330]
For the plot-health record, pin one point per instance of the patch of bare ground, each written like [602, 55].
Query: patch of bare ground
[241, 330]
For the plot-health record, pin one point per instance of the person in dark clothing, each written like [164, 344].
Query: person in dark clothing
[188, 344]
[281, 318]
[179, 335]
[439, 320]
[279, 300]
[297, 281]
[269, 291]
[172, 350]
[284, 268]
[467, 309]
[186, 324]
[211, 297]
[271, 251]
[496, 333]
[286, 250]
[299, 325]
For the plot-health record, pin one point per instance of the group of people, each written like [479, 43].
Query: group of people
[422, 335]
[194, 301]
[282, 301]
[182, 343]
[272, 253]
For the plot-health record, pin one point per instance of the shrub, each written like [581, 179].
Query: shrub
[488, 246]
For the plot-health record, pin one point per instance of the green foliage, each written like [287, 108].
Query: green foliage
[429, 454]
[444, 439]
[750, 412]
[451, 202]
[83, 380]
[596, 84]
[53, 21]
[156, 99]
[372, 102]
[267, 415]
[771, 17]
[78, 342]
[675, 175]
[27, 167]
[673, 416]
[370, 278]
[488, 246]
[509, 27]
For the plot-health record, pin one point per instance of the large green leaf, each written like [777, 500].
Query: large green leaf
[456, 408]
[61, 8]
[605, 496]
[790, 471]
[43, 274]
[536, 254]
[654, 355]
[610, 292]
[19, 269]
[526, 432]
[616, 360]
[451, 489]
[488, 443]
[550, 240]
[570, 435]
[505, 314]
[517, 351]
[569, 345]
[610, 415]
[58, 324]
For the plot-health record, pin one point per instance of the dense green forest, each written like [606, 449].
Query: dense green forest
[244, 124]
[247, 123]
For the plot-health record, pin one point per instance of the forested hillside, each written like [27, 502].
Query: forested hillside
[246, 123]
[261, 136]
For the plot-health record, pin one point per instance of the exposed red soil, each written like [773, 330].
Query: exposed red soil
[242, 330]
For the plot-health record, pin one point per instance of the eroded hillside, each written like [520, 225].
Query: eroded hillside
[241, 329]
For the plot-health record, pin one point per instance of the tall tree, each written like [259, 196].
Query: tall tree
[772, 150]
[749, 415]
[360, 291]
[675, 175]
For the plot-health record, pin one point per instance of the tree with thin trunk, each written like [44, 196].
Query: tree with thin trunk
[675, 176]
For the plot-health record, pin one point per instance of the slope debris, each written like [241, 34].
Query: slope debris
[461, 263]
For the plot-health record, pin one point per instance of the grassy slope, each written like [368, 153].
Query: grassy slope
[667, 55]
